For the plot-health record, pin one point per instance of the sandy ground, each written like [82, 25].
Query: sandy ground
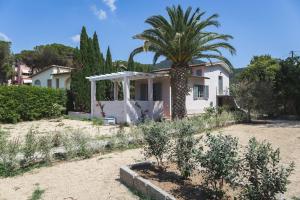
[92, 179]
[58, 125]
[97, 178]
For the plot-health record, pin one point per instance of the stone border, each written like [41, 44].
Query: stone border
[132, 180]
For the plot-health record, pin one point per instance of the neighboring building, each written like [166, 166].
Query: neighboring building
[53, 77]
[208, 83]
[21, 75]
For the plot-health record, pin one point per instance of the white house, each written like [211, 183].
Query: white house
[53, 77]
[208, 83]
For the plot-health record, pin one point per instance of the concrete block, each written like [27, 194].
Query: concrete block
[127, 176]
[140, 184]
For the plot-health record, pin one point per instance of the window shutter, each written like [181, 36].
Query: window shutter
[206, 93]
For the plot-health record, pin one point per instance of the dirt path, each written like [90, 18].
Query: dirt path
[95, 178]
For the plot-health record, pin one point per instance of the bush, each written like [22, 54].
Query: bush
[263, 176]
[23, 103]
[220, 163]
[8, 155]
[77, 145]
[30, 147]
[183, 152]
[156, 139]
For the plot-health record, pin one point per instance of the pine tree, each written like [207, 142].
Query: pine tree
[108, 62]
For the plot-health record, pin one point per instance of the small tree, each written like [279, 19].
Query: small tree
[183, 152]
[156, 137]
[220, 162]
[263, 176]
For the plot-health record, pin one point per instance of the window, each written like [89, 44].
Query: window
[57, 83]
[220, 85]
[199, 72]
[37, 82]
[201, 92]
[144, 92]
[49, 83]
[157, 95]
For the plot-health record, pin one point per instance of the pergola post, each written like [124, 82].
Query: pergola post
[116, 90]
[126, 95]
[93, 98]
[150, 96]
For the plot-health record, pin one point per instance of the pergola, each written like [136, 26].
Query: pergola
[125, 77]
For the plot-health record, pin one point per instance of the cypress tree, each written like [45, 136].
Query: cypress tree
[130, 64]
[84, 42]
[108, 62]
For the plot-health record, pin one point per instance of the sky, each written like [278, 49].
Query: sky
[258, 26]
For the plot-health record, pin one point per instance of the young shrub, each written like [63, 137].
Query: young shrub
[8, 155]
[184, 149]
[220, 163]
[44, 147]
[264, 177]
[77, 145]
[30, 147]
[156, 139]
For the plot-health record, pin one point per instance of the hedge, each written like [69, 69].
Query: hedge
[26, 103]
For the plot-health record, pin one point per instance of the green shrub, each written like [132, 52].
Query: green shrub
[23, 103]
[8, 154]
[184, 149]
[156, 137]
[220, 163]
[97, 121]
[264, 177]
[44, 148]
[77, 145]
[30, 147]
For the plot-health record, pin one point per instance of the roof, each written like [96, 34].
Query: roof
[61, 73]
[51, 66]
[125, 74]
[204, 64]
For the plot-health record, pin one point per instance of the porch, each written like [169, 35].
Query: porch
[128, 110]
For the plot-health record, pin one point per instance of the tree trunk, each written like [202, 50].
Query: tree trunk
[179, 89]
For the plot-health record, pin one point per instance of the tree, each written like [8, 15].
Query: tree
[181, 39]
[6, 69]
[287, 85]
[130, 64]
[45, 55]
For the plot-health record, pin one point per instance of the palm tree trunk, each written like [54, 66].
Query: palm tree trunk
[179, 89]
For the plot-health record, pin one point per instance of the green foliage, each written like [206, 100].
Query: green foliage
[30, 147]
[97, 121]
[287, 86]
[156, 137]
[264, 177]
[5, 62]
[8, 154]
[184, 32]
[45, 55]
[37, 194]
[23, 103]
[184, 148]
[220, 163]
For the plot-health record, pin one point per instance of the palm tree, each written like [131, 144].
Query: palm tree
[181, 39]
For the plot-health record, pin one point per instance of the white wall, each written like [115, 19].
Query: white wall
[213, 73]
[47, 74]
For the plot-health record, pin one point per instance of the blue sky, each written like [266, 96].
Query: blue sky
[258, 26]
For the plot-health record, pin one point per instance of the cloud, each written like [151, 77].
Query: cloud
[76, 38]
[4, 37]
[111, 4]
[101, 14]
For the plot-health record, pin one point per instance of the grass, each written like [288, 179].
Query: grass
[21, 170]
[37, 194]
